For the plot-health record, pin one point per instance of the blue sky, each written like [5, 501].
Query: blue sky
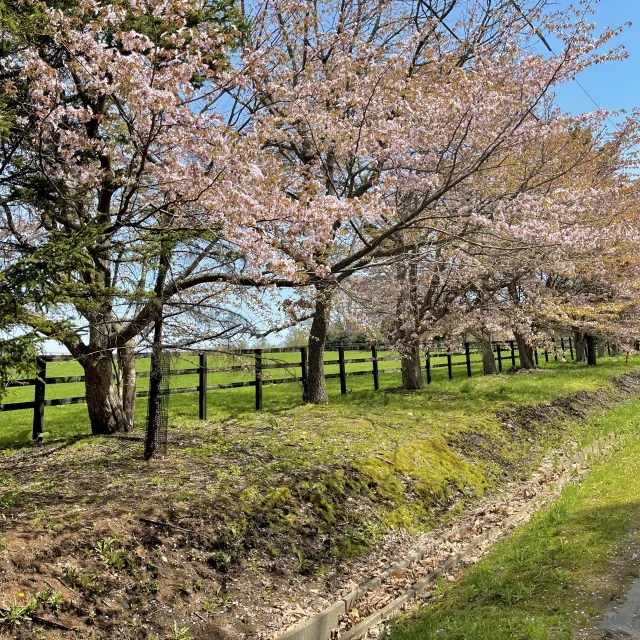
[613, 85]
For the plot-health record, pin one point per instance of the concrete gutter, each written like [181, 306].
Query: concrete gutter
[326, 624]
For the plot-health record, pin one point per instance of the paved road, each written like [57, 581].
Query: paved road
[623, 621]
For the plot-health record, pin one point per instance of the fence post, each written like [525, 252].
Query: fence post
[535, 355]
[449, 368]
[467, 354]
[499, 354]
[513, 354]
[258, 368]
[343, 373]
[427, 366]
[571, 347]
[38, 398]
[202, 387]
[374, 357]
[303, 375]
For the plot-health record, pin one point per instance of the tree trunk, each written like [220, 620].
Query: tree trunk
[127, 361]
[106, 412]
[591, 350]
[615, 349]
[488, 360]
[525, 351]
[411, 370]
[316, 384]
[580, 346]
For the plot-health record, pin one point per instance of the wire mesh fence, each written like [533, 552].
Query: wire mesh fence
[158, 406]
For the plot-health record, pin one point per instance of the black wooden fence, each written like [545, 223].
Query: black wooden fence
[504, 352]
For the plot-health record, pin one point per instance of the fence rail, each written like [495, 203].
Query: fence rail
[504, 352]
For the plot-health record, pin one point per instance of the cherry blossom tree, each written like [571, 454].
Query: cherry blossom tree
[584, 196]
[371, 115]
[112, 142]
[511, 247]
[338, 139]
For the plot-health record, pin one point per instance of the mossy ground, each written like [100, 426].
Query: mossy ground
[257, 499]
[554, 578]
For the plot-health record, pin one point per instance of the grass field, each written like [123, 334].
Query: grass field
[72, 420]
[261, 501]
[558, 574]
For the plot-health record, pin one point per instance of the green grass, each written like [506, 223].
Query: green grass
[70, 421]
[289, 490]
[555, 574]
[406, 458]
